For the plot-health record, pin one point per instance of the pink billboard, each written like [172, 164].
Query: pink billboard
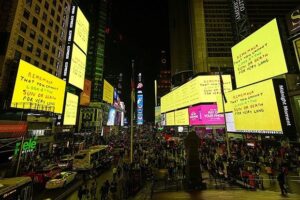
[205, 115]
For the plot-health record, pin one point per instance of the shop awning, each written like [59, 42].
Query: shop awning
[13, 129]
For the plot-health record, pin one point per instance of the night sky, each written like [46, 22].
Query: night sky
[138, 30]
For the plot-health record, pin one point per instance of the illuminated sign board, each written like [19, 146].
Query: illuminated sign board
[260, 56]
[163, 121]
[71, 106]
[108, 92]
[37, 89]
[77, 68]
[293, 21]
[205, 115]
[202, 89]
[262, 108]
[170, 119]
[157, 115]
[182, 117]
[28, 146]
[296, 43]
[85, 95]
[111, 117]
[140, 105]
[81, 35]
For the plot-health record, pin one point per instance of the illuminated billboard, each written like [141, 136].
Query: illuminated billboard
[262, 108]
[85, 95]
[202, 89]
[259, 56]
[37, 89]
[182, 117]
[81, 35]
[140, 108]
[71, 106]
[157, 115]
[108, 92]
[111, 117]
[296, 43]
[205, 115]
[77, 68]
[170, 119]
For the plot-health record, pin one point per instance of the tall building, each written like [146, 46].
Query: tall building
[164, 79]
[96, 12]
[32, 30]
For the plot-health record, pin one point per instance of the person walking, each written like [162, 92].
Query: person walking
[282, 182]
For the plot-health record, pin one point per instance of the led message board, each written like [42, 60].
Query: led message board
[77, 69]
[205, 115]
[37, 89]
[108, 92]
[262, 108]
[170, 121]
[259, 56]
[81, 35]
[71, 106]
[202, 89]
[182, 117]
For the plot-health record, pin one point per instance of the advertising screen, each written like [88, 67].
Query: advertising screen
[296, 43]
[77, 68]
[85, 95]
[37, 89]
[182, 117]
[262, 108]
[170, 119]
[205, 115]
[157, 115]
[81, 31]
[259, 56]
[71, 107]
[163, 121]
[108, 92]
[140, 105]
[111, 117]
[202, 89]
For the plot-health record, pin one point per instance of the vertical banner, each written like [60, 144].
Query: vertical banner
[140, 105]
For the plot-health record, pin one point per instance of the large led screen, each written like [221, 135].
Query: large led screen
[202, 89]
[111, 117]
[259, 56]
[71, 106]
[170, 119]
[108, 92]
[81, 31]
[182, 117]
[262, 108]
[37, 89]
[77, 69]
[205, 115]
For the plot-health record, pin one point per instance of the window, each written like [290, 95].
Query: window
[55, 38]
[60, 44]
[59, 8]
[51, 60]
[45, 57]
[49, 33]
[46, 5]
[56, 28]
[40, 40]
[42, 28]
[58, 18]
[53, 49]
[32, 34]
[51, 23]
[63, 24]
[29, 2]
[47, 45]
[62, 34]
[37, 9]
[23, 27]
[52, 12]
[43, 67]
[26, 14]
[34, 21]
[36, 63]
[44, 17]
[27, 58]
[20, 41]
[57, 64]
[50, 71]
[29, 47]
[38, 52]
[17, 55]
[59, 54]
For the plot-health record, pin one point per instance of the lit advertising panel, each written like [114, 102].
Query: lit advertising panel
[205, 115]
[262, 108]
[260, 56]
[77, 69]
[182, 117]
[293, 21]
[296, 43]
[81, 35]
[170, 119]
[111, 117]
[37, 89]
[202, 89]
[157, 115]
[140, 105]
[108, 92]
[221, 103]
[85, 95]
[71, 106]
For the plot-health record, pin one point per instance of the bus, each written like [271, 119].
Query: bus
[17, 188]
[92, 158]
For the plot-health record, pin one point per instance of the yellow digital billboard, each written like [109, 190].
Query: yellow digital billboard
[170, 119]
[77, 69]
[202, 89]
[108, 92]
[37, 89]
[71, 107]
[81, 35]
[256, 109]
[182, 117]
[259, 56]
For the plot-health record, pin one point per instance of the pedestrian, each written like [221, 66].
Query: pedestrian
[103, 192]
[93, 190]
[80, 193]
[281, 182]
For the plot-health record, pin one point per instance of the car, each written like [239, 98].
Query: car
[42, 175]
[66, 162]
[61, 180]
